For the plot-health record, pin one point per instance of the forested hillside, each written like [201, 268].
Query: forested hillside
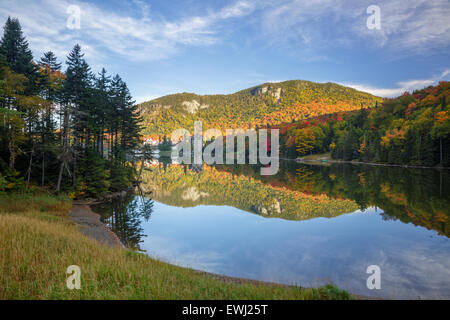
[266, 105]
[413, 129]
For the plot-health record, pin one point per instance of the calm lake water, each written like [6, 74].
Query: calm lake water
[308, 225]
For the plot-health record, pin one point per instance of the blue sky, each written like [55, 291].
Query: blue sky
[217, 46]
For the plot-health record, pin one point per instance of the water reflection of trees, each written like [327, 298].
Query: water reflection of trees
[125, 215]
[417, 196]
[187, 186]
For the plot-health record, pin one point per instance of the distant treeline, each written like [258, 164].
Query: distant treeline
[62, 130]
[413, 129]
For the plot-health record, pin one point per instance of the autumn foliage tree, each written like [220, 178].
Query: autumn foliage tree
[413, 129]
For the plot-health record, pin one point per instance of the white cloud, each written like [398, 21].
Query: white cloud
[381, 92]
[102, 31]
[403, 86]
[416, 26]
[145, 98]
[411, 27]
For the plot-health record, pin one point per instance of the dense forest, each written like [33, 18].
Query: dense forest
[62, 130]
[413, 129]
[266, 105]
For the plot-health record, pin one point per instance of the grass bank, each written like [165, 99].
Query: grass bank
[38, 242]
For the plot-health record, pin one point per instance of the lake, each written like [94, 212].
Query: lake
[308, 225]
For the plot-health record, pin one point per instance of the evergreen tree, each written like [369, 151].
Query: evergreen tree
[32, 95]
[49, 59]
[14, 52]
[21, 83]
[76, 91]
[102, 108]
[51, 85]
[131, 121]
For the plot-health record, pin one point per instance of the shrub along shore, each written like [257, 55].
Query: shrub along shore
[39, 241]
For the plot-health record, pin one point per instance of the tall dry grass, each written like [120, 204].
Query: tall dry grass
[36, 249]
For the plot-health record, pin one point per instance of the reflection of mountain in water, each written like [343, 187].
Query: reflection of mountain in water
[300, 191]
[417, 196]
[179, 186]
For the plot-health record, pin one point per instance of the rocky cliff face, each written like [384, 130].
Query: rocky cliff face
[190, 106]
[193, 194]
[274, 92]
[193, 106]
[274, 209]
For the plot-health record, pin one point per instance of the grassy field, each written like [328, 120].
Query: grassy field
[38, 242]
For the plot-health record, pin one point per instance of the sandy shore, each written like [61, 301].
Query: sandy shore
[91, 225]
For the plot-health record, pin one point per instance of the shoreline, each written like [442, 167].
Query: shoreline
[366, 163]
[91, 225]
[42, 240]
[82, 214]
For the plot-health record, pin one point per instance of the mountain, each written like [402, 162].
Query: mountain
[269, 104]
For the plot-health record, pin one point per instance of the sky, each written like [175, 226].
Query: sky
[220, 47]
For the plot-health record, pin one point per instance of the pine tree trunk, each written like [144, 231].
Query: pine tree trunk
[43, 161]
[12, 154]
[43, 170]
[116, 143]
[101, 142]
[61, 169]
[74, 169]
[29, 168]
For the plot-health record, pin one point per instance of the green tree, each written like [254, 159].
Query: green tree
[304, 140]
[14, 52]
